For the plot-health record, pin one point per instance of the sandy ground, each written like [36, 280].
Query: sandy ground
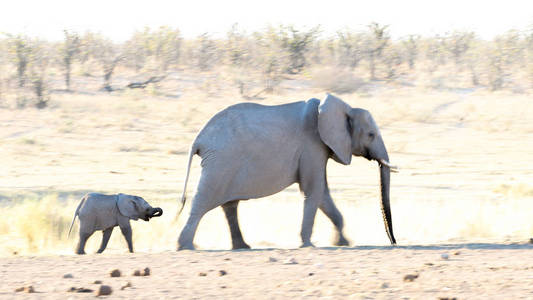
[467, 271]
[464, 186]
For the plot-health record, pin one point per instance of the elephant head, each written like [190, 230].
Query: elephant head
[351, 131]
[135, 207]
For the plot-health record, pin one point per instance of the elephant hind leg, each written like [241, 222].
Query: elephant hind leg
[230, 210]
[330, 210]
[84, 236]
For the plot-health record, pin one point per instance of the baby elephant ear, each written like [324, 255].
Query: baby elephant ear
[126, 206]
[333, 128]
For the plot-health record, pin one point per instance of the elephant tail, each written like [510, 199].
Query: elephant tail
[192, 152]
[75, 214]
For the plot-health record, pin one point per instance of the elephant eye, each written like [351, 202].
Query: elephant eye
[371, 135]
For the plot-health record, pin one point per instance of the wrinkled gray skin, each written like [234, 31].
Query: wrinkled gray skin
[103, 212]
[251, 151]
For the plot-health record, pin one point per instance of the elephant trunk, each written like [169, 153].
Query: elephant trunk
[384, 172]
[157, 212]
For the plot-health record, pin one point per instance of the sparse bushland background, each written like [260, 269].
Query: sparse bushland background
[88, 114]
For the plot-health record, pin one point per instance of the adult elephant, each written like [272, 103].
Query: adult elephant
[251, 151]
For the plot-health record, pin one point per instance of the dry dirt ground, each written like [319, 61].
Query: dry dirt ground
[464, 188]
[471, 271]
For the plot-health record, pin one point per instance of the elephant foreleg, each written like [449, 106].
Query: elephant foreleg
[330, 210]
[105, 239]
[230, 210]
[126, 231]
[80, 249]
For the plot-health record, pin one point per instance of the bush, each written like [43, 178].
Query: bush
[337, 80]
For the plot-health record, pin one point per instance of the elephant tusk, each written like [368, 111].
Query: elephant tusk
[392, 168]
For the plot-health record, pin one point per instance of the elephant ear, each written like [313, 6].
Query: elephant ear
[332, 127]
[127, 207]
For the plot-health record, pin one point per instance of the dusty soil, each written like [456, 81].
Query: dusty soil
[465, 177]
[465, 271]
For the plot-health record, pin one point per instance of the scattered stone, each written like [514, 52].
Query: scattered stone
[137, 273]
[457, 253]
[310, 274]
[222, 286]
[272, 259]
[202, 274]
[26, 289]
[444, 256]
[410, 277]
[128, 284]
[97, 282]
[79, 290]
[385, 285]
[146, 271]
[104, 290]
[530, 241]
[115, 273]
[222, 273]
[447, 298]
[429, 264]
[290, 261]
[68, 276]
[227, 258]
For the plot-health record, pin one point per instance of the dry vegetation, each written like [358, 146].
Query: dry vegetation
[455, 113]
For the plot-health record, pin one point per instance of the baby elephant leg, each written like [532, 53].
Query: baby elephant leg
[126, 231]
[105, 238]
[80, 249]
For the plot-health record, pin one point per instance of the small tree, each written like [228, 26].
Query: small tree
[206, 54]
[69, 49]
[297, 45]
[411, 50]
[351, 48]
[109, 55]
[458, 43]
[378, 38]
[20, 55]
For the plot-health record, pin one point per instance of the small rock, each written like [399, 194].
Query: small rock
[457, 253]
[222, 286]
[79, 290]
[26, 289]
[310, 274]
[410, 277]
[146, 271]
[127, 285]
[227, 258]
[97, 282]
[68, 276]
[272, 259]
[429, 264]
[447, 298]
[385, 285]
[444, 256]
[290, 261]
[104, 290]
[137, 273]
[222, 273]
[202, 274]
[115, 273]
[530, 241]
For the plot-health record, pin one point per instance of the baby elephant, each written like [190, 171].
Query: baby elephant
[103, 212]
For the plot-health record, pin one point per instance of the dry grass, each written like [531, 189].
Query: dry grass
[465, 161]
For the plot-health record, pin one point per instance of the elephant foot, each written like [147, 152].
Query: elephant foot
[307, 245]
[80, 252]
[242, 245]
[342, 241]
[186, 247]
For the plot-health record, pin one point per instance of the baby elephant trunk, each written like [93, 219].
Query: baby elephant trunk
[156, 212]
